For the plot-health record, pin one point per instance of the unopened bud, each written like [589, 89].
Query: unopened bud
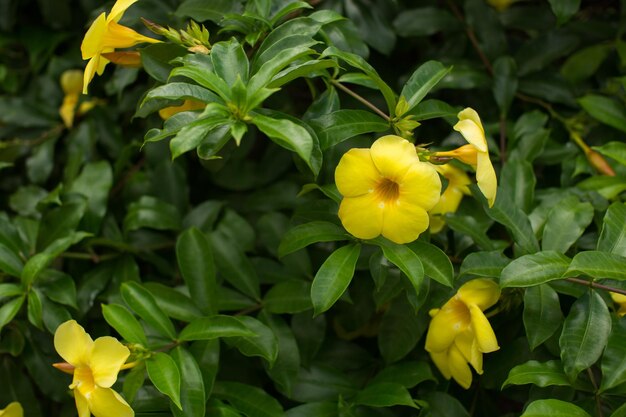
[599, 163]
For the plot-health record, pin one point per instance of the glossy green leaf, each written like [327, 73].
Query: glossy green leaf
[613, 235]
[10, 262]
[196, 264]
[400, 329]
[535, 269]
[553, 408]
[178, 91]
[335, 127]
[192, 392]
[517, 180]
[34, 309]
[572, 212]
[585, 333]
[384, 394]
[564, 9]
[165, 375]
[585, 62]
[262, 343]
[541, 374]
[423, 79]
[250, 400]
[230, 61]
[59, 222]
[408, 261]
[196, 133]
[406, 373]
[9, 310]
[306, 234]
[424, 21]
[142, 302]
[333, 277]
[597, 264]
[615, 150]
[207, 328]
[614, 357]
[605, 110]
[287, 365]
[313, 409]
[485, 264]
[234, 266]
[124, 323]
[288, 297]
[544, 49]
[542, 313]
[469, 226]
[436, 263]
[199, 68]
[504, 82]
[152, 213]
[201, 11]
[505, 212]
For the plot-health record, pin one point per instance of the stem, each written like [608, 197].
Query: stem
[472, 36]
[251, 309]
[595, 387]
[360, 99]
[595, 285]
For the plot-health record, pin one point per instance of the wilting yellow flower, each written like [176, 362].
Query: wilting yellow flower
[14, 409]
[105, 35]
[451, 197]
[95, 365]
[621, 300]
[72, 85]
[188, 105]
[459, 333]
[387, 190]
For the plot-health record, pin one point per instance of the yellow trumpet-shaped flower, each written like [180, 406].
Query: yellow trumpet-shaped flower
[187, 105]
[95, 365]
[459, 333]
[387, 190]
[621, 300]
[104, 36]
[72, 85]
[451, 197]
[14, 409]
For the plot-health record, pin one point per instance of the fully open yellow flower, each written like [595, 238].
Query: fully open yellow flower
[105, 35]
[451, 197]
[621, 300]
[387, 190]
[14, 409]
[459, 333]
[95, 365]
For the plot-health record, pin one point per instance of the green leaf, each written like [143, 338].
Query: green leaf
[196, 133]
[408, 261]
[165, 376]
[314, 409]
[250, 400]
[469, 226]
[230, 61]
[535, 269]
[615, 150]
[286, 368]
[505, 212]
[142, 302]
[485, 264]
[196, 264]
[306, 234]
[288, 297]
[597, 264]
[553, 408]
[180, 91]
[10, 309]
[265, 74]
[542, 314]
[614, 358]
[585, 333]
[192, 392]
[124, 323]
[384, 394]
[605, 109]
[423, 79]
[518, 181]
[199, 67]
[541, 374]
[262, 343]
[35, 309]
[504, 83]
[572, 212]
[208, 328]
[157, 58]
[584, 63]
[408, 374]
[333, 277]
[58, 222]
[152, 213]
[335, 127]
[308, 69]
[436, 263]
[174, 303]
[234, 265]
[424, 21]
[540, 51]
[564, 9]
[200, 11]
[10, 262]
[287, 134]
[432, 109]
[613, 235]
[400, 329]
[10, 290]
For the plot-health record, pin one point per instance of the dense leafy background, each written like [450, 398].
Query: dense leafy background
[232, 276]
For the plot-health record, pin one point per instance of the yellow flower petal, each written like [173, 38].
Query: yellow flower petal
[356, 173]
[440, 359]
[420, 186]
[14, 409]
[92, 42]
[68, 109]
[486, 177]
[104, 402]
[482, 292]
[118, 36]
[403, 222]
[118, 9]
[81, 404]
[72, 343]
[459, 368]
[485, 337]
[473, 133]
[72, 82]
[621, 300]
[107, 357]
[452, 319]
[393, 156]
[362, 216]
[457, 178]
[468, 346]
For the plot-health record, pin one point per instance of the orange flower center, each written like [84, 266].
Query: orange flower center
[387, 191]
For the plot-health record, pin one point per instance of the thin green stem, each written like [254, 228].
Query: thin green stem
[361, 99]
[593, 284]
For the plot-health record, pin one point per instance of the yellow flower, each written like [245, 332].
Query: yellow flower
[451, 197]
[387, 190]
[621, 300]
[188, 105]
[14, 409]
[72, 85]
[459, 333]
[104, 36]
[95, 365]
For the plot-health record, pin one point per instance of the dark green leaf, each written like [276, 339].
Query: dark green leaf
[196, 264]
[436, 263]
[192, 393]
[406, 260]
[9, 310]
[384, 394]
[207, 328]
[165, 376]
[142, 302]
[124, 323]
[230, 61]
[542, 314]
[288, 297]
[613, 236]
[425, 77]
[505, 212]
[605, 110]
[250, 400]
[234, 266]
[572, 212]
[306, 234]
[485, 264]
[424, 21]
[335, 127]
[597, 264]
[214, 11]
[614, 357]
[152, 213]
[504, 83]
[542, 374]
[333, 277]
[535, 269]
[262, 343]
[564, 9]
[553, 408]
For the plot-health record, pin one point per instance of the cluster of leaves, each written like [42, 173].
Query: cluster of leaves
[210, 242]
